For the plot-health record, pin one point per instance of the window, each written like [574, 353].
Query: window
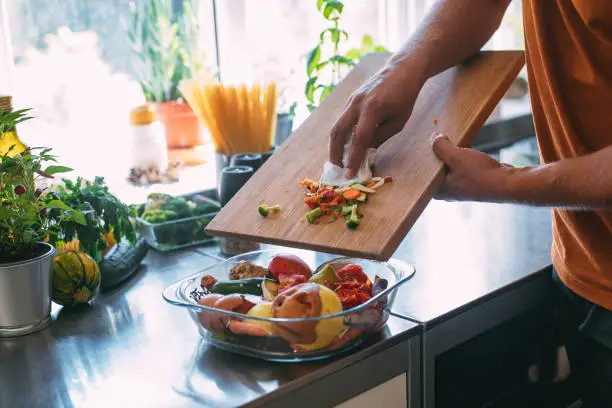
[272, 38]
[71, 61]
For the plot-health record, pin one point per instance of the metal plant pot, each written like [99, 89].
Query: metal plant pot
[25, 294]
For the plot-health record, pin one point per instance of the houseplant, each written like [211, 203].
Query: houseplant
[107, 219]
[164, 44]
[326, 64]
[25, 259]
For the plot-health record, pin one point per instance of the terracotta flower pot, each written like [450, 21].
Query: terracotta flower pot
[183, 129]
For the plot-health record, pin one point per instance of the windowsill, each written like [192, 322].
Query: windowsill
[192, 179]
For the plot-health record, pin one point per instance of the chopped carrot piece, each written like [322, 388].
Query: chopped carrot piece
[351, 194]
[371, 184]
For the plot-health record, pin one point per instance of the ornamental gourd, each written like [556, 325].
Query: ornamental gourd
[76, 278]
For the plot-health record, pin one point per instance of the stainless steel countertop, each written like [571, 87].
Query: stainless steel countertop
[131, 349]
[464, 252]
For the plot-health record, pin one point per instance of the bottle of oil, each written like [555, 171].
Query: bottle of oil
[9, 138]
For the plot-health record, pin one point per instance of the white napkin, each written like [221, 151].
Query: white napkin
[334, 175]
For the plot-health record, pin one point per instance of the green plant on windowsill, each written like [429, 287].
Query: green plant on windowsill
[164, 42]
[164, 46]
[326, 64]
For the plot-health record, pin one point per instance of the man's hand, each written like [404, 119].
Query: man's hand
[451, 32]
[471, 175]
[374, 113]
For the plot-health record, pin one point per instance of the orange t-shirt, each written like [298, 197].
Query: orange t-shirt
[569, 63]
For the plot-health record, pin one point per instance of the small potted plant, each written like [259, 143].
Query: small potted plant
[25, 259]
[164, 43]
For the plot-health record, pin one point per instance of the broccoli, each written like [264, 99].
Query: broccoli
[353, 221]
[205, 208]
[313, 215]
[155, 201]
[178, 205]
[346, 210]
[158, 216]
[264, 209]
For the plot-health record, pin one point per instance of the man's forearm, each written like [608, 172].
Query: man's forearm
[582, 183]
[453, 31]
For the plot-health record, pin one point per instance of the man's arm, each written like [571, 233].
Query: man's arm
[453, 31]
[579, 183]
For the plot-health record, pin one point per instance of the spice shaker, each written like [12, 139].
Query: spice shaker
[148, 148]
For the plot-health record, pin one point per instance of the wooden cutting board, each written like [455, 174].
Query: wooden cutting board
[461, 99]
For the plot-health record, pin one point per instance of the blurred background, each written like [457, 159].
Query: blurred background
[78, 64]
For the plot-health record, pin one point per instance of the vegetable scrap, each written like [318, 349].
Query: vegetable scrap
[264, 210]
[339, 202]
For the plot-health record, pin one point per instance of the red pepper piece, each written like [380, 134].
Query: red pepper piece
[352, 272]
[207, 281]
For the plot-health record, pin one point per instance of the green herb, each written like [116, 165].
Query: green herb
[164, 42]
[103, 213]
[8, 120]
[337, 64]
[24, 209]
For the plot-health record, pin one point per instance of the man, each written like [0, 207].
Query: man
[569, 63]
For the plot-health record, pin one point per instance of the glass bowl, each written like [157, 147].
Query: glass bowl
[289, 339]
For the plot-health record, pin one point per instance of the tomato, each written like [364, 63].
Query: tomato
[288, 281]
[352, 272]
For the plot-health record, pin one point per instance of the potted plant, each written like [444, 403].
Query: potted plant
[326, 61]
[164, 42]
[107, 219]
[25, 259]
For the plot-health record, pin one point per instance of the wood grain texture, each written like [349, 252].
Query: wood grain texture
[460, 98]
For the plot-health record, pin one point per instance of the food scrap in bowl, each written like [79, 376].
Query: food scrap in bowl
[287, 288]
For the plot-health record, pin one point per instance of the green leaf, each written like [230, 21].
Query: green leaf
[322, 65]
[380, 48]
[311, 107]
[320, 4]
[333, 9]
[342, 60]
[78, 217]
[310, 89]
[59, 205]
[367, 41]
[325, 92]
[335, 35]
[353, 54]
[57, 169]
[313, 59]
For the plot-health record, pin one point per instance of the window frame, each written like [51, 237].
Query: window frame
[7, 56]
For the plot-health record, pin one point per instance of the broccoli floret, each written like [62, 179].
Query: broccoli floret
[205, 208]
[159, 216]
[314, 215]
[264, 209]
[346, 210]
[353, 221]
[155, 201]
[178, 205]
